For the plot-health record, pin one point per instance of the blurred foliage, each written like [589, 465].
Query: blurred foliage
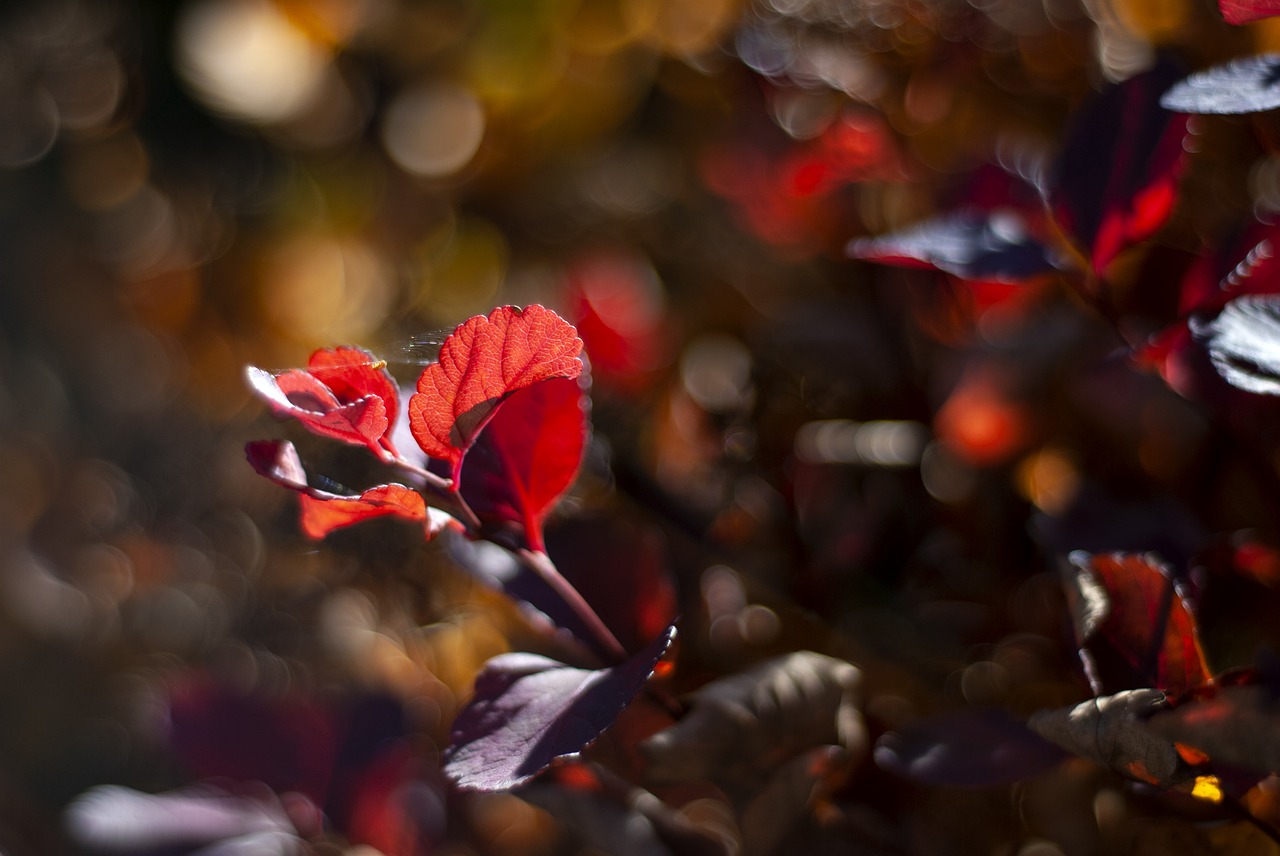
[881, 465]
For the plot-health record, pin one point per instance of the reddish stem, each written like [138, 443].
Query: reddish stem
[540, 563]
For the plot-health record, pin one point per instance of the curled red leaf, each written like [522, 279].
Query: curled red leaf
[323, 511]
[1133, 624]
[343, 393]
[482, 362]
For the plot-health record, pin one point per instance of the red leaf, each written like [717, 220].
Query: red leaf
[526, 457]
[1115, 182]
[343, 394]
[1246, 11]
[482, 362]
[323, 514]
[1134, 627]
[322, 511]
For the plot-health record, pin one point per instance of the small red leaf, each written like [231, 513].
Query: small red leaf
[343, 394]
[526, 457]
[322, 511]
[321, 515]
[529, 711]
[482, 362]
[1134, 627]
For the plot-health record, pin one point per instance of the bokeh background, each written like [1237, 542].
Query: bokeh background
[879, 464]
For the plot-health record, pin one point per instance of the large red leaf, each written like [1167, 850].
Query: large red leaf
[529, 711]
[1134, 628]
[482, 362]
[526, 457]
[322, 511]
[343, 394]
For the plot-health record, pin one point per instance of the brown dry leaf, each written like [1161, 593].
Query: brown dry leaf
[1112, 731]
[1237, 725]
[613, 816]
[768, 818]
[740, 728]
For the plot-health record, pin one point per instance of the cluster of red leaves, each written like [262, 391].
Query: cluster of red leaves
[501, 409]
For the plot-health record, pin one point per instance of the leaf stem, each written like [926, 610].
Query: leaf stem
[445, 492]
[540, 563]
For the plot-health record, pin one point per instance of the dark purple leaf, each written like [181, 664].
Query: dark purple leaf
[1115, 182]
[529, 711]
[974, 748]
[1243, 342]
[1246, 85]
[973, 245]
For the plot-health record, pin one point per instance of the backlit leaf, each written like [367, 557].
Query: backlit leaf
[323, 511]
[343, 394]
[1115, 182]
[1132, 624]
[1245, 85]
[526, 457]
[529, 711]
[1244, 343]
[973, 245]
[482, 362]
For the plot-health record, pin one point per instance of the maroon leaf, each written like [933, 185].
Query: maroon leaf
[322, 511]
[1245, 85]
[974, 245]
[1133, 625]
[344, 394]
[529, 711]
[970, 748]
[526, 457]
[1115, 182]
[482, 362]
[289, 743]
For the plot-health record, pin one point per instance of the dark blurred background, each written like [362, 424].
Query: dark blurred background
[881, 464]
